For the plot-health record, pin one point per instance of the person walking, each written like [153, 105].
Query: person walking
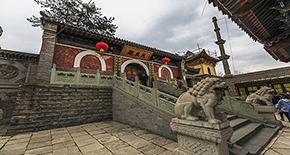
[283, 106]
[143, 78]
[181, 85]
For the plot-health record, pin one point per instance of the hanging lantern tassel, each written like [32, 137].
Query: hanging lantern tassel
[165, 60]
[102, 46]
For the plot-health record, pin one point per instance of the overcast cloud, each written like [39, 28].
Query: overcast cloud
[172, 26]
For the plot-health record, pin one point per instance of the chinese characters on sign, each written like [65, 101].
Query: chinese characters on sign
[136, 53]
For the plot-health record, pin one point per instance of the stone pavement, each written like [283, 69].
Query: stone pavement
[109, 138]
[280, 144]
[103, 138]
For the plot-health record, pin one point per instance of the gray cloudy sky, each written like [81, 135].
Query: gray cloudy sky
[169, 25]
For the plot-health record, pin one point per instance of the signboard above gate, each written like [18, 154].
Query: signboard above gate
[136, 53]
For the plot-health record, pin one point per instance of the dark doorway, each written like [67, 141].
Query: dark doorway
[132, 70]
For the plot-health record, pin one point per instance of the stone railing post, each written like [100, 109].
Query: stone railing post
[124, 78]
[98, 77]
[53, 73]
[157, 82]
[78, 75]
[114, 78]
[228, 100]
[154, 93]
[137, 86]
[168, 84]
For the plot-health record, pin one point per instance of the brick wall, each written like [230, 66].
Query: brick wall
[44, 107]
[7, 104]
[129, 110]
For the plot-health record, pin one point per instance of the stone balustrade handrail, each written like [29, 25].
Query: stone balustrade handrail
[151, 96]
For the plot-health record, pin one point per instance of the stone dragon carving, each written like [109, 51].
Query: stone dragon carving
[205, 95]
[264, 94]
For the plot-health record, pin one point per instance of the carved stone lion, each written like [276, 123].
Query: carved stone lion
[264, 94]
[206, 95]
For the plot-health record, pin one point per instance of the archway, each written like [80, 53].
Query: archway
[165, 67]
[79, 57]
[136, 63]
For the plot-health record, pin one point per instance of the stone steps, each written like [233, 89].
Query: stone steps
[249, 137]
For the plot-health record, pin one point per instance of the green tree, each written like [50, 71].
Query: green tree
[75, 13]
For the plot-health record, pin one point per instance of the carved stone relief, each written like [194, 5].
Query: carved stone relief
[8, 71]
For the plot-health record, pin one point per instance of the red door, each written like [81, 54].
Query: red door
[131, 71]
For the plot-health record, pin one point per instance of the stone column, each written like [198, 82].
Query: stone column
[200, 137]
[46, 52]
[268, 112]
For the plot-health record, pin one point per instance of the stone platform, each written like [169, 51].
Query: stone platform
[109, 138]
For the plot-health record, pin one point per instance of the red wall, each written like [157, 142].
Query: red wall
[64, 57]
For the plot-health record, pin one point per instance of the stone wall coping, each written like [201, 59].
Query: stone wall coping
[203, 124]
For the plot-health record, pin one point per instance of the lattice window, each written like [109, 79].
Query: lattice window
[252, 88]
[278, 88]
[287, 86]
[263, 86]
[243, 92]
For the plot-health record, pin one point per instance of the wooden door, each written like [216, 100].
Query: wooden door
[131, 71]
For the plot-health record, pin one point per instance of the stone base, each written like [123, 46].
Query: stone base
[268, 112]
[199, 137]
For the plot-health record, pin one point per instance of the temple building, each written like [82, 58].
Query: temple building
[199, 64]
[70, 47]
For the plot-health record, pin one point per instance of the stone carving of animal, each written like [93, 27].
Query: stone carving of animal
[264, 94]
[205, 95]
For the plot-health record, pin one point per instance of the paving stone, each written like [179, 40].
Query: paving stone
[18, 148]
[17, 141]
[140, 132]
[38, 145]
[129, 137]
[104, 140]
[115, 145]
[282, 151]
[149, 136]
[76, 134]
[63, 145]
[67, 151]
[151, 149]
[41, 133]
[75, 129]
[80, 138]
[171, 146]
[271, 152]
[84, 142]
[96, 132]
[41, 150]
[42, 139]
[127, 151]
[101, 135]
[101, 151]
[137, 143]
[282, 142]
[21, 136]
[90, 148]
[59, 131]
[60, 139]
[119, 134]
[161, 141]
[3, 140]
[167, 152]
[12, 152]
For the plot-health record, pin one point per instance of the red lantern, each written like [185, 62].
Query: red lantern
[102, 46]
[165, 60]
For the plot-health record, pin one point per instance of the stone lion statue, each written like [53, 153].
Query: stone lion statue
[205, 95]
[264, 94]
